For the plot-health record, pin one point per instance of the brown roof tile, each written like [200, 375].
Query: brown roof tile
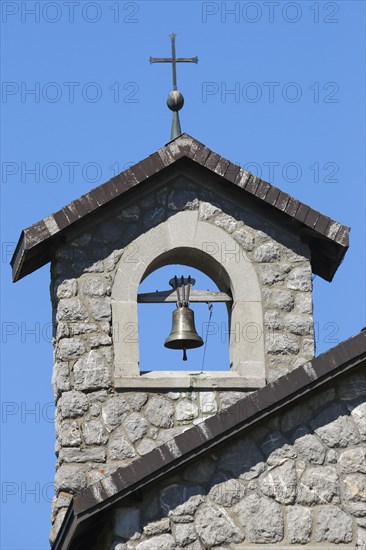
[272, 195]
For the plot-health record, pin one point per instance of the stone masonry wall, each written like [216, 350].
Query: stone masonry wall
[99, 428]
[296, 479]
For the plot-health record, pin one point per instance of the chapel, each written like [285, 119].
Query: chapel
[267, 451]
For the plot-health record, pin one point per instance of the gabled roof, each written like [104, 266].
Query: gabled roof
[88, 505]
[328, 239]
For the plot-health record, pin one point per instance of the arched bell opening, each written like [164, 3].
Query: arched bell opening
[211, 321]
[183, 239]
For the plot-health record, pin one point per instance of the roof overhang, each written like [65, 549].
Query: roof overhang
[328, 239]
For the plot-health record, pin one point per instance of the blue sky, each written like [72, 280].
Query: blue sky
[279, 88]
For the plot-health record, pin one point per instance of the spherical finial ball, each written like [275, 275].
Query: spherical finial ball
[175, 101]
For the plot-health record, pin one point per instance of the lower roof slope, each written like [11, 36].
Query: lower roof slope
[126, 481]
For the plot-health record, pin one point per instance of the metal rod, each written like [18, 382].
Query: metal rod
[188, 288]
[183, 291]
[195, 296]
[174, 66]
[177, 289]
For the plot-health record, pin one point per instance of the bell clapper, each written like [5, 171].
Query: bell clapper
[184, 354]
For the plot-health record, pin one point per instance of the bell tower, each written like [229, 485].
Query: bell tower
[183, 204]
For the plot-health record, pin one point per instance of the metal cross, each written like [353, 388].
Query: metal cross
[174, 60]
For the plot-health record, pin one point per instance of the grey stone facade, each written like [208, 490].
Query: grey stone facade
[99, 428]
[294, 480]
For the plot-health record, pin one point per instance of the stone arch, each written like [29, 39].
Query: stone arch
[184, 238]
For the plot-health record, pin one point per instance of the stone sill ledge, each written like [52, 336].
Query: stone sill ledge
[189, 380]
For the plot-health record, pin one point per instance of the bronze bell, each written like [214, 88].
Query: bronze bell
[183, 334]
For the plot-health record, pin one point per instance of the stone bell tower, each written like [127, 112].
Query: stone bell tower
[182, 204]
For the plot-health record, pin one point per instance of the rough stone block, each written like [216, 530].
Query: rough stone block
[354, 488]
[280, 483]
[298, 324]
[119, 447]
[157, 527]
[281, 455]
[91, 372]
[82, 328]
[101, 309]
[60, 378]
[272, 320]
[272, 275]
[207, 401]
[94, 433]
[137, 400]
[352, 461]
[244, 238]
[71, 309]
[229, 398]
[98, 340]
[70, 478]
[333, 525]
[160, 411]
[94, 287]
[278, 343]
[226, 222]
[299, 524]
[185, 533]
[69, 348]
[161, 542]
[113, 411]
[300, 279]
[267, 252]
[68, 433]
[334, 428]
[207, 211]
[96, 454]
[73, 404]
[186, 410]
[270, 528]
[303, 302]
[145, 446]
[135, 426]
[66, 288]
[226, 491]
[225, 530]
[308, 446]
[318, 485]
[358, 413]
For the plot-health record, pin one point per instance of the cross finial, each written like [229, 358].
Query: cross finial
[175, 99]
